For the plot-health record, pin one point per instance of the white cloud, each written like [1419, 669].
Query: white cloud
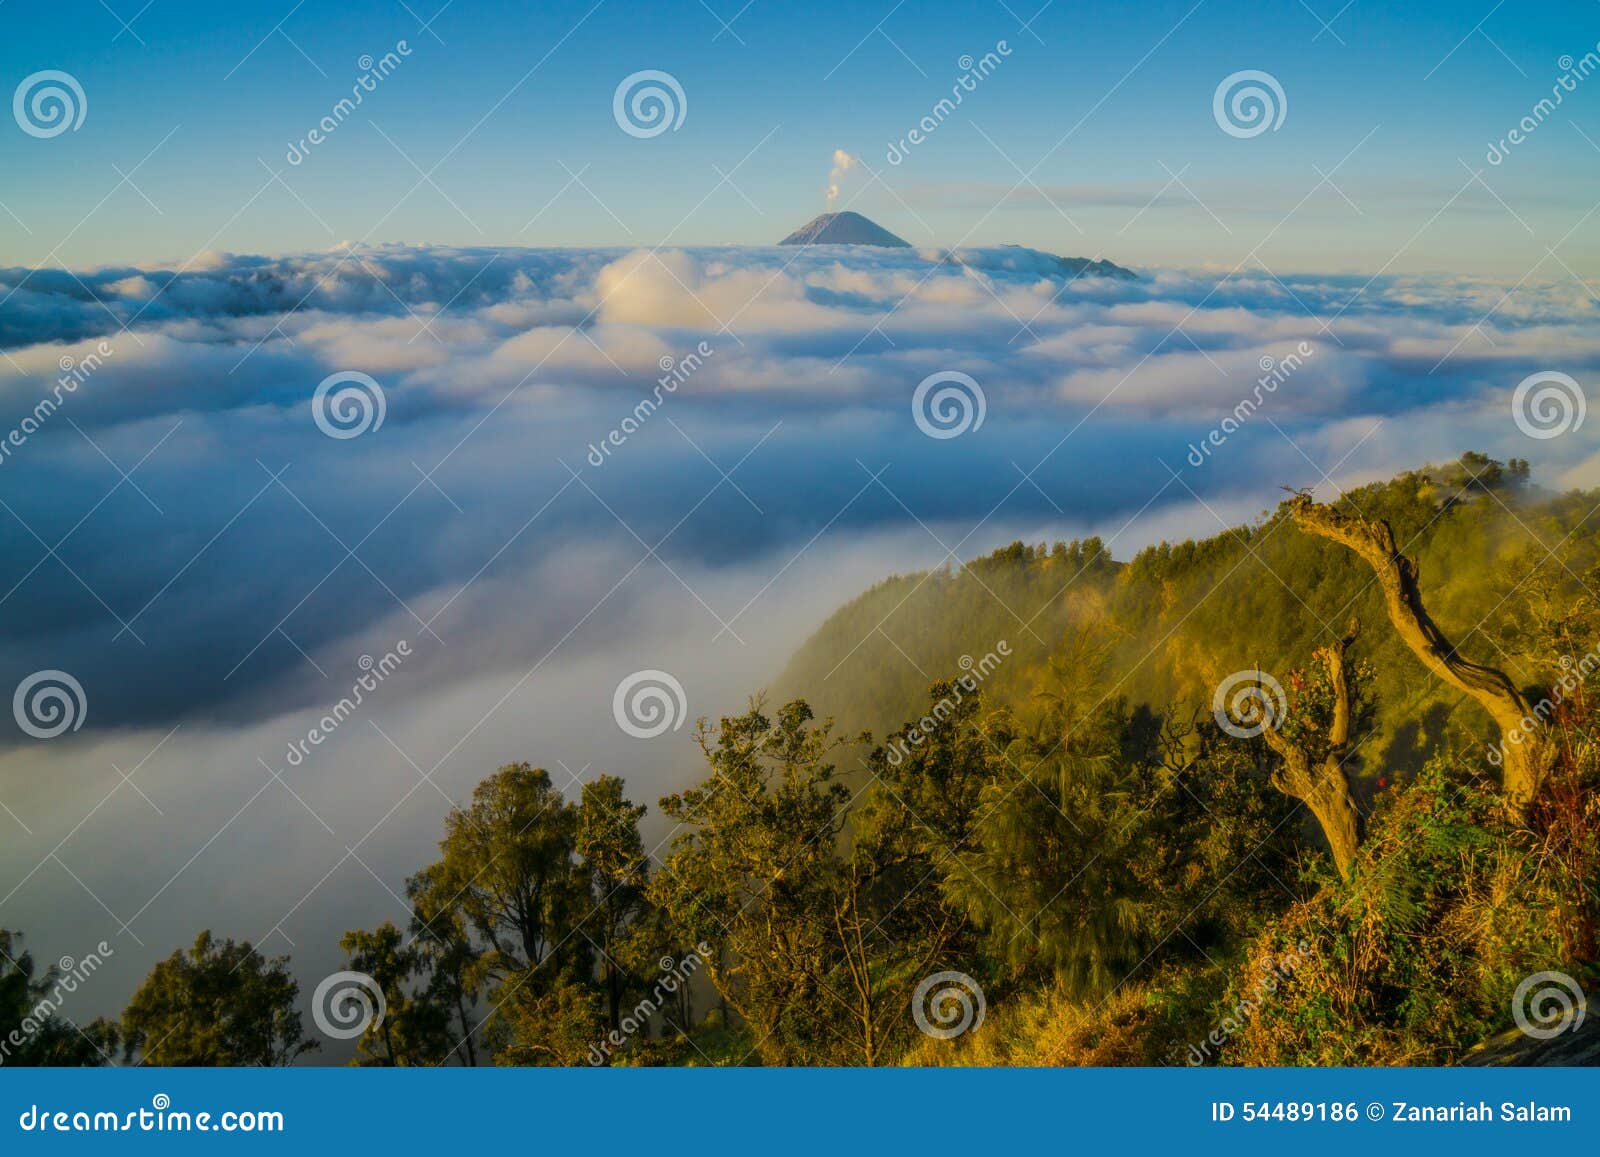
[749, 484]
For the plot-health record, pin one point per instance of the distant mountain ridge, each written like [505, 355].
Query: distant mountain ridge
[1021, 259]
[847, 228]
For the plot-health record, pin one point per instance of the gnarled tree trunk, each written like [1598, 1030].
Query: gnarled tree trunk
[1526, 754]
[1322, 785]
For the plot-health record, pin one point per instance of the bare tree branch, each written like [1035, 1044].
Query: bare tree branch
[1323, 785]
[1526, 754]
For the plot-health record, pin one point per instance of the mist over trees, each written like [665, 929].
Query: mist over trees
[1366, 854]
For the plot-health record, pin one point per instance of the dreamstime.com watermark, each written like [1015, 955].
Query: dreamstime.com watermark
[947, 1004]
[973, 73]
[973, 675]
[49, 103]
[1248, 103]
[676, 974]
[376, 671]
[49, 703]
[70, 974]
[373, 73]
[160, 1117]
[347, 404]
[649, 703]
[1548, 404]
[347, 1004]
[1548, 1004]
[674, 372]
[74, 372]
[1246, 703]
[1273, 374]
[1274, 971]
[648, 103]
[1573, 72]
[947, 404]
[1573, 675]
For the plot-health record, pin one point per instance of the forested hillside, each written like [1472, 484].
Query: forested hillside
[1322, 790]
[1177, 618]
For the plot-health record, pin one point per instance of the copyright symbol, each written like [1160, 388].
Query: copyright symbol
[1375, 1111]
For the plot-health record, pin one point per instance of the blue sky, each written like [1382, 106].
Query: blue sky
[1104, 110]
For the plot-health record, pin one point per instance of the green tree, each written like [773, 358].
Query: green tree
[755, 872]
[931, 773]
[549, 1025]
[453, 963]
[219, 1003]
[507, 866]
[895, 924]
[414, 1026]
[1057, 834]
[508, 898]
[617, 870]
[30, 1013]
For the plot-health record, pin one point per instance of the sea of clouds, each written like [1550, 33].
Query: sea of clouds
[181, 535]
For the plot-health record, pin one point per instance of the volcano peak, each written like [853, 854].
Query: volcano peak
[844, 228]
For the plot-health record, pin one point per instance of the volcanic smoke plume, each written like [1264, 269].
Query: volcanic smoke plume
[842, 163]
